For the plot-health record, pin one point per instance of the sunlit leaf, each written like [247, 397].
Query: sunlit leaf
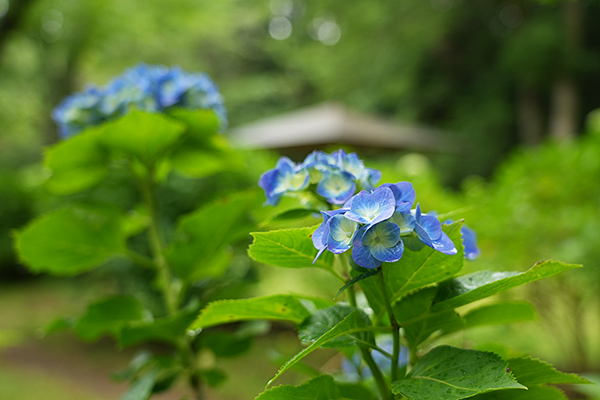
[450, 373]
[288, 248]
[320, 388]
[424, 267]
[479, 285]
[322, 321]
[71, 241]
[278, 308]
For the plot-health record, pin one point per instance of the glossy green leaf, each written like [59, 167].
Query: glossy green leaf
[450, 373]
[320, 388]
[278, 308]
[109, 316]
[472, 287]
[71, 241]
[530, 371]
[141, 389]
[168, 329]
[533, 393]
[288, 248]
[322, 321]
[76, 164]
[143, 135]
[417, 269]
[352, 324]
[197, 252]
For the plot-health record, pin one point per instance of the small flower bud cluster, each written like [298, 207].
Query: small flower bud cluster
[376, 224]
[336, 176]
[143, 87]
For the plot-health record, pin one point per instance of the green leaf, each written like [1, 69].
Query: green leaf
[288, 248]
[530, 371]
[278, 308]
[143, 135]
[201, 125]
[417, 269]
[357, 279]
[109, 316]
[71, 241]
[141, 388]
[450, 373]
[350, 325]
[322, 321]
[197, 252]
[472, 287]
[320, 388]
[355, 391]
[76, 164]
[419, 331]
[200, 163]
[533, 393]
[168, 329]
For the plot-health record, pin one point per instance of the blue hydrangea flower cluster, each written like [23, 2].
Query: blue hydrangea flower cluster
[336, 176]
[143, 87]
[375, 224]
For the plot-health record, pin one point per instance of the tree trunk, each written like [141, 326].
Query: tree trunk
[530, 117]
[564, 108]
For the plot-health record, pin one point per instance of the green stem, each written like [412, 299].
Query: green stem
[140, 260]
[383, 388]
[394, 325]
[366, 354]
[157, 245]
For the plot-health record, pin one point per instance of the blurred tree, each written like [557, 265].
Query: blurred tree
[493, 73]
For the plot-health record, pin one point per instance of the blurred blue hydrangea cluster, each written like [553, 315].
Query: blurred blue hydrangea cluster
[143, 87]
[377, 224]
[336, 176]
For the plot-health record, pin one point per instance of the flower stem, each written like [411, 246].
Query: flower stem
[366, 354]
[394, 326]
[157, 246]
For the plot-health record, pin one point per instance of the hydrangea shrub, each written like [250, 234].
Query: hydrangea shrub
[400, 270]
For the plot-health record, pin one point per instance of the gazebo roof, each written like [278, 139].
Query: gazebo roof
[332, 123]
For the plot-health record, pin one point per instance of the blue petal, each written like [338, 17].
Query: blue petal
[268, 181]
[337, 187]
[317, 236]
[372, 208]
[405, 221]
[469, 239]
[404, 193]
[444, 245]
[370, 178]
[341, 233]
[432, 226]
[387, 254]
[352, 164]
[387, 233]
[362, 255]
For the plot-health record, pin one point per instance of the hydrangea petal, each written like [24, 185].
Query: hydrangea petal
[444, 245]
[404, 193]
[362, 255]
[341, 233]
[371, 208]
[405, 221]
[387, 254]
[469, 239]
[336, 186]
